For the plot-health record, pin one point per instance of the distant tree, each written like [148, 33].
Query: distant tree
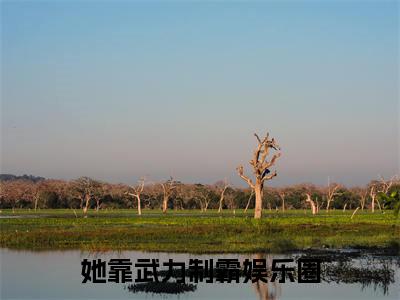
[391, 200]
[204, 195]
[362, 194]
[221, 187]
[377, 187]
[136, 192]
[312, 203]
[118, 195]
[9, 177]
[230, 198]
[346, 198]
[17, 193]
[85, 189]
[49, 199]
[331, 192]
[168, 187]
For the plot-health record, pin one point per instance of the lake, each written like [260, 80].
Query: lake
[57, 275]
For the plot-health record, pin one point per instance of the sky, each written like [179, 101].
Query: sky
[116, 90]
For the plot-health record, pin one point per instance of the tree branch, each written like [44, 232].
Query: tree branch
[244, 177]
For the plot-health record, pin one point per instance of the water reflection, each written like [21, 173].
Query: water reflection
[267, 291]
[344, 275]
[338, 267]
[372, 271]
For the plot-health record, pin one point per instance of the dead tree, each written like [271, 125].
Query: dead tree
[137, 191]
[261, 171]
[313, 206]
[223, 188]
[379, 187]
[168, 187]
[363, 194]
[85, 188]
[203, 194]
[331, 192]
[386, 185]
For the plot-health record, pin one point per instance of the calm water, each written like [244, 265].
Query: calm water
[57, 275]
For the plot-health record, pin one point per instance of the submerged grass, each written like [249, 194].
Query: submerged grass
[193, 231]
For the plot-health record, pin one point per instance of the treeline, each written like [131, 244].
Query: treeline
[6, 177]
[36, 192]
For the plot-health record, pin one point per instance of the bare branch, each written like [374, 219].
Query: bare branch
[258, 138]
[269, 164]
[244, 177]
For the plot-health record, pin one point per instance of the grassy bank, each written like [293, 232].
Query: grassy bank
[192, 231]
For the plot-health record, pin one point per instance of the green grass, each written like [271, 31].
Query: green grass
[193, 231]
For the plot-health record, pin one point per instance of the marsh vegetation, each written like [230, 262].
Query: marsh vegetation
[196, 231]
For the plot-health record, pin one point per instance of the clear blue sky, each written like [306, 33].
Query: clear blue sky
[117, 90]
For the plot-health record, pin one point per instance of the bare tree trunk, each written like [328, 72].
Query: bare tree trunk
[248, 202]
[355, 212]
[87, 201]
[139, 205]
[379, 204]
[372, 193]
[165, 204]
[258, 191]
[344, 208]
[221, 199]
[372, 200]
[313, 207]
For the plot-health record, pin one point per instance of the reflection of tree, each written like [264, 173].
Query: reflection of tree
[358, 267]
[262, 288]
[373, 272]
[342, 268]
